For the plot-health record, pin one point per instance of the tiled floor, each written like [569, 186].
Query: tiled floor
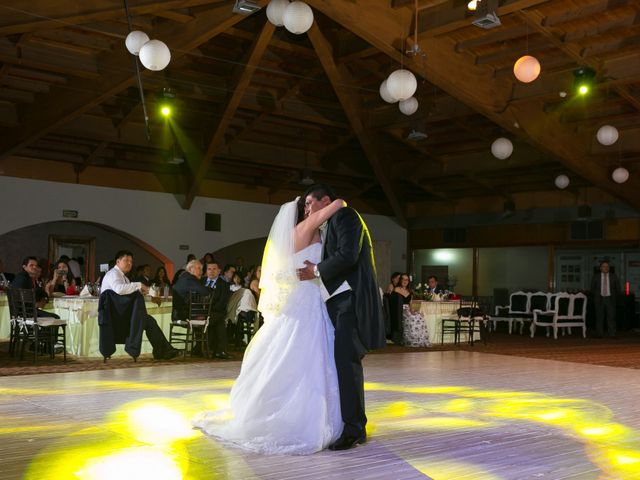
[441, 415]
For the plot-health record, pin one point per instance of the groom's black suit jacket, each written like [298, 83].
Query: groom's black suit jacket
[348, 255]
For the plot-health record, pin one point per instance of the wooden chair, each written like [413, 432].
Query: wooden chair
[45, 330]
[192, 331]
[567, 311]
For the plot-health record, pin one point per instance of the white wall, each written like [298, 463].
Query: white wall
[514, 268]
[157, 218]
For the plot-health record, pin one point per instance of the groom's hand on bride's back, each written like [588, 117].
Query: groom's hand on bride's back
[307, 273]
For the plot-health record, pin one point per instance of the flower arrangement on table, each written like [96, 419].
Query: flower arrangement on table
[421, 292]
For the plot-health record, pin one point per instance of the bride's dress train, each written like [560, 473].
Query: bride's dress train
[286, 398]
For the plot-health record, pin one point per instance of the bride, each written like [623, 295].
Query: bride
[286, 398]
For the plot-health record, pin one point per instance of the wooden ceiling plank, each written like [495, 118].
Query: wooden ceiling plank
[217, 140]
[485, 95]
[66, 102]
[46, 14]
[339, 78]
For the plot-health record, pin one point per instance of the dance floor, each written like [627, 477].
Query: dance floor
[440, 415]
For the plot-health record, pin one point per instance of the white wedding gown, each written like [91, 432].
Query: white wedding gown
[286, 398]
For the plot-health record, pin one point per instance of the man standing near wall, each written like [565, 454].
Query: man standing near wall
[606, 289]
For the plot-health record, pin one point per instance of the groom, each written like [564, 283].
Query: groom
[353, 301]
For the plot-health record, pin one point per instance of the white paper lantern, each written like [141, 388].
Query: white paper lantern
[502, 148]
[402, 84]
[607, 135]
[562, 182]
[275, 11]
[409, 106]
[384, 93]
[298, 17]
[155, 55]
[526, 69]
[620, 175]
[135, 40]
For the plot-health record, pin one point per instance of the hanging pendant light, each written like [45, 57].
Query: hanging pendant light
[155, 55]
[402, 84]
[297, 17]
[526, 69]
[562, 182]
[620, 175]
[275, 11]
[502, 148]
[409, 106]
[135, 40]
[607, 135]
[385, 95]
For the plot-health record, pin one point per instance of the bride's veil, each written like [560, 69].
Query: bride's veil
[278, 275]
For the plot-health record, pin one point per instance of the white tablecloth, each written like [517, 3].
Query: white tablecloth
[433, 313]
[83, 333]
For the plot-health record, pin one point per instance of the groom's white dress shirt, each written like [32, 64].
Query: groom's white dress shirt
[117, 281]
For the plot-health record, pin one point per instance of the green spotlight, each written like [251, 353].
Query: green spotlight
[165, 110]
[584, 78]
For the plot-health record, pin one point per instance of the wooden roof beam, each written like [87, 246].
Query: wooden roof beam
[66, 102]
[253, 57]
[339, 78]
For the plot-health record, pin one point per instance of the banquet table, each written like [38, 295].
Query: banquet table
[433, 313]
[83, 333]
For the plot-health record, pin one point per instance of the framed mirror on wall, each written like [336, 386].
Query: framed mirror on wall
[82, 249]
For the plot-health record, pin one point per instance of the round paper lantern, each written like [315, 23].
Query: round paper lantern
[402, 84]
[409, 106]
[526, 69]
[384, 93]
[155, 55]
[298, 17]
[275, 11]
[502, 148]
[620, 175]
[562, 182]
[607, 135]
[135, 40]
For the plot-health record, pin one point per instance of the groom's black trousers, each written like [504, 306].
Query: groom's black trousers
[348, 354]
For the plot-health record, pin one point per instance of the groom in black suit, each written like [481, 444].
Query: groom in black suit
[353, 301]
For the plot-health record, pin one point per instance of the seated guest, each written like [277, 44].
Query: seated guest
[240, 268]
[188, 282]
[217, 332]
[395, 279]
[161, 279]
[117, 281]
[5, 276]
[228, 272]
[60, 279]
[212, 274]
[236, 282]
[433, 287]
[28, 278]
[254, 284]
[404, 289]
[144, 275]
[207, 258]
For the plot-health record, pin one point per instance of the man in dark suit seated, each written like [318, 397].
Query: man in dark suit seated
[27, 279]
[144, 275]
[218, 342]
[433, 286]
[187, 282]
[116, 280]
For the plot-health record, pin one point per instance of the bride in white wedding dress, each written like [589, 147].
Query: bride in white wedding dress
[286, 399]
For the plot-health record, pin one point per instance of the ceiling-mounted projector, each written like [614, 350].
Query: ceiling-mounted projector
[486, 16]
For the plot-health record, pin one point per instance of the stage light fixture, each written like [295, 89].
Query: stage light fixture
[165, 110]
[584, 78]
